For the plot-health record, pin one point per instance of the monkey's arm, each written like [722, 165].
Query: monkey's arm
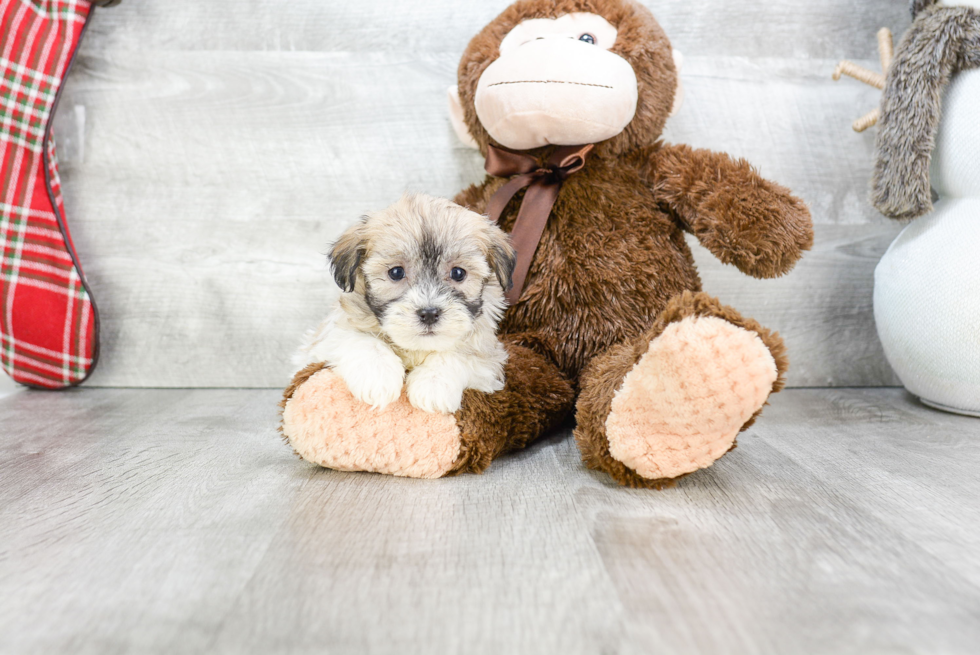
[740, 217]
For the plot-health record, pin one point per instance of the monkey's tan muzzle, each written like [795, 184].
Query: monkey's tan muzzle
[556, 91]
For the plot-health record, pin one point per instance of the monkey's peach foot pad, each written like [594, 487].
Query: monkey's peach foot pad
[326, 425]
[680, 408]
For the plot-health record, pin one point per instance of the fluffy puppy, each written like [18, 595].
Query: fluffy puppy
[424, 283]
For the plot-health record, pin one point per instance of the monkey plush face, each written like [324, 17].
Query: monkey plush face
[566, 72]
[556, 82]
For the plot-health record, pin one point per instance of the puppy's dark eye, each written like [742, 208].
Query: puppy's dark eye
[457, 274]
[588, 38]
[396, 273]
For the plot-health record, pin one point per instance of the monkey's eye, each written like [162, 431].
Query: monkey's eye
[457, 274]
[397, 273]
[588, 38]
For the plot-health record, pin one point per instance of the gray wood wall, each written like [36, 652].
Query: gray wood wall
[212, 150]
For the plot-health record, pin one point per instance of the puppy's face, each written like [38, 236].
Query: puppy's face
[429, 271]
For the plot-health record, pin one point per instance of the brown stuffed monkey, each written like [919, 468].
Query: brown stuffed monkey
[608, 322]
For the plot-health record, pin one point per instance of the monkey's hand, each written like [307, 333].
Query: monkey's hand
[742, 218]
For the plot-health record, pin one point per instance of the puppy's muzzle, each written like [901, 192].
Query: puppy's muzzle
[429, 316]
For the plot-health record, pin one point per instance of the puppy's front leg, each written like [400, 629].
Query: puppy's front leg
[373, 372]
[438, 383]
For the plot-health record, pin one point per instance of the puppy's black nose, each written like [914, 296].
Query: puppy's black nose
[429, 315]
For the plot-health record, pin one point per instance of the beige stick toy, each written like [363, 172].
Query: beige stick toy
[886, 50]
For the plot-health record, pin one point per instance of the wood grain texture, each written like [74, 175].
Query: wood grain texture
[212, 154]
[831, 29]
[162, 521]
[7, 386]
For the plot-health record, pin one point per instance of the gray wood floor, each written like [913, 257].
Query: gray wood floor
[174, 521]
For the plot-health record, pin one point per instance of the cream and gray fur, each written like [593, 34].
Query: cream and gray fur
[943, 40]
[405, 318]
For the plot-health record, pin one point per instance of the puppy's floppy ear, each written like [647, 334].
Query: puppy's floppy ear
[501, 256]
[347, 253]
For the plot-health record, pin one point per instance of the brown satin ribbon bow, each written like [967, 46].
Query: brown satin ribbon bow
[543, 183]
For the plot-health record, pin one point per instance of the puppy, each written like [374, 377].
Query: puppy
[424, 283]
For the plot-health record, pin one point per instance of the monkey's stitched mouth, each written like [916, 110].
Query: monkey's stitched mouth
[600, 86]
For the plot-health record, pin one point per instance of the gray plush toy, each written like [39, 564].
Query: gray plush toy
[927, 286]
[943, 40]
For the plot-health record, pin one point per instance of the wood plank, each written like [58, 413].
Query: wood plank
[212, 182]
[787, 28]
[942, 448]
[499, 564]
[178, 522]
[845, 522]
[131, 520]
[7, 386]
[175, 521]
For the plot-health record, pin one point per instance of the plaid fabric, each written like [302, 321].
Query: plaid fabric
[47, 320]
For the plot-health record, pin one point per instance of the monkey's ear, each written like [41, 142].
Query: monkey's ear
[679, 91]
[457, 119]
[346, 255]
[502, 257]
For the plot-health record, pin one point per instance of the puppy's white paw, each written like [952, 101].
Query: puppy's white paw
[377, 382]
[431, 390]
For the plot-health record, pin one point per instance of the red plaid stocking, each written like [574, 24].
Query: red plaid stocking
[48, 322]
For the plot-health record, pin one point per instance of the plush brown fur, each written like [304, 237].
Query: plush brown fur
[537, 398]
[612, 269]
[614, 253]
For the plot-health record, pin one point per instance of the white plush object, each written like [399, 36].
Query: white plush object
[927, 286]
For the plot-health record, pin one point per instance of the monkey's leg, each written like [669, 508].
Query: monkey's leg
[672, 401]
[326, 425]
